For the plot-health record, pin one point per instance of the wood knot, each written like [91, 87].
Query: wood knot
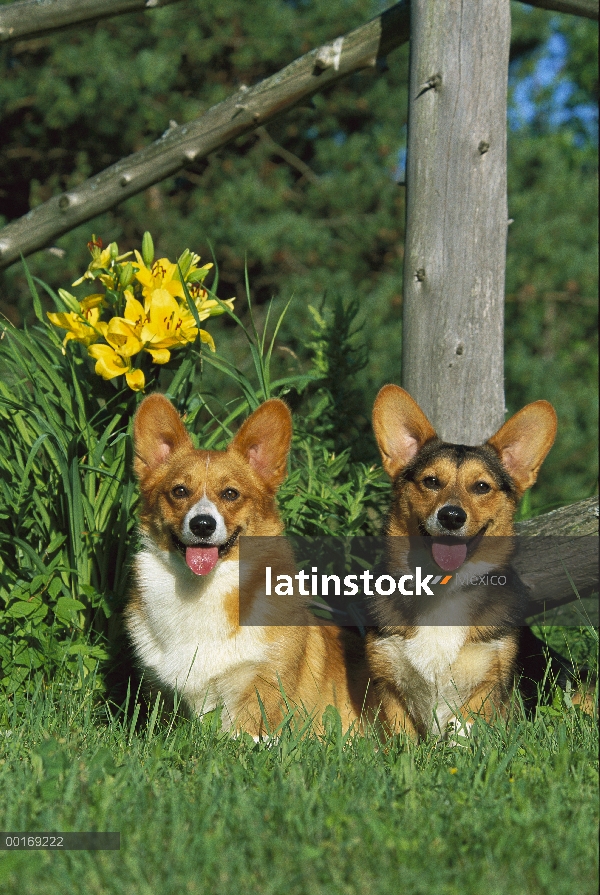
[432, 83]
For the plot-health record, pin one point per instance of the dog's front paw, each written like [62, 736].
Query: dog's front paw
[457, 731]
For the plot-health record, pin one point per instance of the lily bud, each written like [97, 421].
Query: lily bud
[126, 276]
[183, 265]
[69, 301]
[147, 249]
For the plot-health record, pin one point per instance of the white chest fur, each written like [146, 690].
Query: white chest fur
[183, 635]
[434, 649]
[437, 670]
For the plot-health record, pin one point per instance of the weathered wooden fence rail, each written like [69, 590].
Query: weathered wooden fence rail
[543, 571]
[32, 17]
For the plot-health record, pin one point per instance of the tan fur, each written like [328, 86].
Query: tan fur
[449, 673]
[232, 662]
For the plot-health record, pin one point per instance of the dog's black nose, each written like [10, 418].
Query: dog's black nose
[451, 517]
[203, 526]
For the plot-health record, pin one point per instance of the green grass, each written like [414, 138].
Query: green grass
[513, 811]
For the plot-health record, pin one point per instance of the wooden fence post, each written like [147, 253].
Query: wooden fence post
[452, 354]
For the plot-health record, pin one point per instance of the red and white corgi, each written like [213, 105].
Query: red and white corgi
[193, 631]
[459, 503]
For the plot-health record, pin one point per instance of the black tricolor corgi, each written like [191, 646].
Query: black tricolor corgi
[430, 674]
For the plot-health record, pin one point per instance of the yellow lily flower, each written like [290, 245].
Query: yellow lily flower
[161, 276]
[164, 274]
[208, 307]
[135, 380]
[84, 326]
[189, 324]
[121, 336]
[207, 339]
[166, 323]
[169, 324]
[114, 359]
[96, 300]
[109, 364]
[135, 313]
[101, 259]
[156, 321]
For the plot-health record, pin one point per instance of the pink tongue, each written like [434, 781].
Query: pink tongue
[201, 560]
[449, 556]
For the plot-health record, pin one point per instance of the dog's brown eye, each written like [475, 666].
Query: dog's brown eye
[230, 494]
[481, 488]
[179, 492]
[432, 482]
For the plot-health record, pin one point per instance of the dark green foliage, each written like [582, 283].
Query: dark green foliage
[342, 415]
[67, 500]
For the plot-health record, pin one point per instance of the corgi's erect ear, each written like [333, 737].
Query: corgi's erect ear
[523, 442]
[157, 433]
[401, 428]
[265, 439]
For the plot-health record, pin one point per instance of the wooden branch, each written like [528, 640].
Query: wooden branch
[186, 145]
[32, 18]
[29, 18]
[586, 8]
[569, 539]
[456, 217]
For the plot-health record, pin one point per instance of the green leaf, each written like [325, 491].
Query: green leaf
[66, 609]
[37, 305]
[84, 648]
[23, 609]
[32, 454]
